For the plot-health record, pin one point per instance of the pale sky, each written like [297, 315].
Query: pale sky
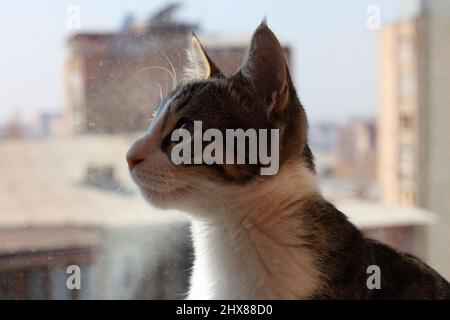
[335, 54]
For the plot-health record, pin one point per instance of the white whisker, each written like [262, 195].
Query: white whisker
[175, 82]
[160, 91]
[160, 68]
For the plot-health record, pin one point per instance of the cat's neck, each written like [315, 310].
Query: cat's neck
[250, 247]
[273, 198]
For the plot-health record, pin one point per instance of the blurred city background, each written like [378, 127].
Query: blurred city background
[78, 85]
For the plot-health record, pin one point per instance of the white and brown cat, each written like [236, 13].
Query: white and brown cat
[263, 237]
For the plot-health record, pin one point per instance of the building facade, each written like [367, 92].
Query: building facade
[114, 80]
[413, 123]
[398, 118]
[356, 157]
[434, 129]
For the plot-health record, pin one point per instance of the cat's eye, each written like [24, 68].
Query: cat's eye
[184, 123]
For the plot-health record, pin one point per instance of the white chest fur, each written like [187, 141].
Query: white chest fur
[258, 256]
[238, 265]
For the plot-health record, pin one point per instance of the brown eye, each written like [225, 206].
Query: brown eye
[183, 123]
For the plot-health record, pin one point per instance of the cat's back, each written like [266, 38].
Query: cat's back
[404, 276]
[344, 258]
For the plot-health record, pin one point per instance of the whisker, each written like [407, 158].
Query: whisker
[171, 65]
[160, 68]
[160, 91]
[197, 92]
[118, 189]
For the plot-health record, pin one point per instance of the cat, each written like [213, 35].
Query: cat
[255, 236]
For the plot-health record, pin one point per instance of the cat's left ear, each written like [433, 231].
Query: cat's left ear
[199, 65]
[265, 68]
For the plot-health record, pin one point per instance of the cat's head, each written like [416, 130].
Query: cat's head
[259, 96]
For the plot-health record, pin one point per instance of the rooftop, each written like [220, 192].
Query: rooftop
[43, 184]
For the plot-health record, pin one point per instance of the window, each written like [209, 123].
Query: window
[78, 89]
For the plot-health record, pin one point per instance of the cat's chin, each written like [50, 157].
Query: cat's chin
[165, 200]
[186, 204]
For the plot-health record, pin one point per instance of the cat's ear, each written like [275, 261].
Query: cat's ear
[199, 66]
[265, 68]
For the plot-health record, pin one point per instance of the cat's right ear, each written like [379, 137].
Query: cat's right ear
[265, 68]
[199, 66]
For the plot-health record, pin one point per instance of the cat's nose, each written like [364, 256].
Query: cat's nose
[135, 154]
[133, 161]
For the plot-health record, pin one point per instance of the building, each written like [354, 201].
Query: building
[114, 80]
[48, 124]
[322, 141]
[14, 127]
[413, 124]
[356, 157]
[398, 119]
[434, 130]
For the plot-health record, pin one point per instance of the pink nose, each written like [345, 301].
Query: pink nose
[133, 161]
[136, 154]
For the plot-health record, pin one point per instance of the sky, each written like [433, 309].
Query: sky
[335, 53]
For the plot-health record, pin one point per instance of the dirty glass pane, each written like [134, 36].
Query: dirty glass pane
[80, 82]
